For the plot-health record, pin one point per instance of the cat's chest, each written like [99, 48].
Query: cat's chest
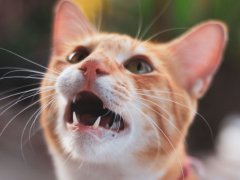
[67, 170]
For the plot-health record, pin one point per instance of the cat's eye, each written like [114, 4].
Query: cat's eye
[79, 54]
[138, 65]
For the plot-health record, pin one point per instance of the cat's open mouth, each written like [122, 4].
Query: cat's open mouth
[87, 111]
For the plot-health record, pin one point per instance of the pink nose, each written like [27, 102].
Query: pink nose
[92, 69]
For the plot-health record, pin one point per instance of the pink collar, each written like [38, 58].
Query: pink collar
[186, 170]
[192, 164]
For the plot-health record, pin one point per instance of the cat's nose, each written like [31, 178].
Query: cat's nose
[93, 68]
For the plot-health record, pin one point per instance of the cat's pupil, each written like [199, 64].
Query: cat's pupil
[139, 67]
[78, 55]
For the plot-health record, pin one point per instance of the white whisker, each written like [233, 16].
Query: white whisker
[37, 113]
[16, 102]
[156, 19]
[184, 106]
[14, 117]
[28, 60]
[152, 122]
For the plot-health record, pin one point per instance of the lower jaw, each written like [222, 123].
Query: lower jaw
[100, 134]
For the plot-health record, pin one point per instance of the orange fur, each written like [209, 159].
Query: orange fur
[178, 105]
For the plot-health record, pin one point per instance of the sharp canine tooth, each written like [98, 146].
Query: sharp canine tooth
[115, 124]
[74, 99]
[97, 122]
[75, 118]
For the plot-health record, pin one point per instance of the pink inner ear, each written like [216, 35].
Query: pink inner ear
[69, 24]
[198, 54]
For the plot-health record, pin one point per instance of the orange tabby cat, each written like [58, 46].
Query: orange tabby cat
[121, 107]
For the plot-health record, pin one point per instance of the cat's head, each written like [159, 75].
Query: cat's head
[117, 96]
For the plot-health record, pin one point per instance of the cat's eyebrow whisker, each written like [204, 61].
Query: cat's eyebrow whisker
[28, 60]
[14, 117]
[184, 106]
[156, 19]
[162, 132]
[140, 21]
[100, 18]
[36, 114]
[162, 32]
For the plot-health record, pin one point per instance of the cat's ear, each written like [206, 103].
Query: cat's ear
[197, 54]
[70, 25]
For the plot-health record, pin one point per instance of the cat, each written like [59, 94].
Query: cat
[121, 107]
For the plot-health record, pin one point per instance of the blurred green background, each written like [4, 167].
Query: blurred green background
[25, 28]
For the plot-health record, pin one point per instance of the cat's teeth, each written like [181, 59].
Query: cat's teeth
[104, 106]
[75, 118]
[74, 99]
[115, 125]
[97, 122]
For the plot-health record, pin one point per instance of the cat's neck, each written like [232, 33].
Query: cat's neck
[67, 169]
[124, 169]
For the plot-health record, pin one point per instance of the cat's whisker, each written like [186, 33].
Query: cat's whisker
[20, 100]
[40, 127]
[68, 157]
[161, 92]
[15, 69]
[81, 165]
[38, 90]
[14, 117]
[156, 19]
[26, 91]
[37, 113]
[184, 106]
[28, 60]
[158, 142]
[24, 129]
[18, 88]
[152, 122]
[164, 117]
[27, 77]
[18, 93]
[50, 104]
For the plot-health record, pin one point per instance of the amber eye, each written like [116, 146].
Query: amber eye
[78, 55]
[138, 65]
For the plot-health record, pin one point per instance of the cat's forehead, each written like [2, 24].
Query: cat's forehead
[120, 46]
